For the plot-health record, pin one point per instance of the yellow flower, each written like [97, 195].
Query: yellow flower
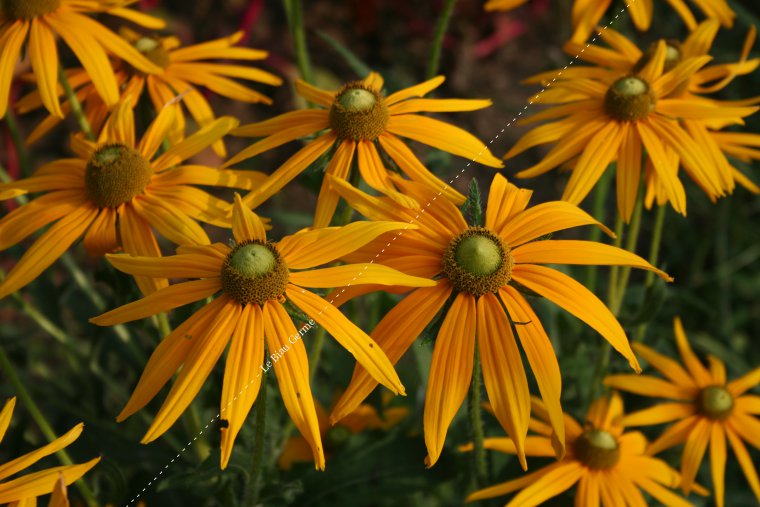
[503, 5]
[355, 119]
[608, 466]
[90, 41]
[614, 117]
[116, 192]
[182, 70]
[27, 488]
[481, 269]
[365, 417]
[587, 14]
[256, 279]
[708, 411]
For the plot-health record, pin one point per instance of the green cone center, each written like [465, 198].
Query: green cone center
[629, 99]
[115, 174]
[28, 9]
[597, 449]
[153, 50]
[358, 113]
[715, 402]
[254, 272]
[672, 56]
[477, 262]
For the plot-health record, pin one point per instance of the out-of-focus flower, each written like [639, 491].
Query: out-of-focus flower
[25, 489]
[354, 121]
[707, 411]
[482, 270]
[503, 5]
[365, 417]
[116, 192]
[608, 466]
[587, 14]
[91, 42]
[256, 279]
[180, 71]
[614, 116]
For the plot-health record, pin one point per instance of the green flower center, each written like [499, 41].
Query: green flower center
[153, 50]
[28, 9]
[597, 449]
[337, 436]
[672, 56]
[115, 174]
[477, 262]
[715, 402]
[629, 99]
[358, 113]
[254, 272]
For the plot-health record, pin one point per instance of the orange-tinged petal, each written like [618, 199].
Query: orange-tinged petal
[194, 144]
[544, 219]
[242, 376]
[162, 300]
[394, 334]
[450, 373]
[27, 460]
[549, 485]
[43, 53]
[31, 217]
[667, 173]
[580, 252]
[59, 497]
[202, 175]
[588, 491]
[314, 94]
[169, 356]
[138, 239]
[339, 168]
[11, 40]
[317, 118]
[665, 365]
[246, 225]
[694, 450]
[158, 130]
[744, 383]
[292, 370]
[718, 462]
[354, 340]
[42, 482]
[628, 175]
[419, 90]
[745, 461]
[374, 81]
[541, 357]
[443, 136]
[661, 413]
[47, 249]
[198, 364]
[438, 105]
[503, 372]
[505, 200]
[5, 416]
[174, 266]
[352, 274]
[674, 435]
[601, 150]
[375, 174]
[101, 238]
[747, 427]
[698, 371]
[569, 294]
[170, 221]
[513, 485]
[663, 495]
[645, 385]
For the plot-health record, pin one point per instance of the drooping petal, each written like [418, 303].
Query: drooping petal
[674, 435]
[31, 217]
[559, 480]
[718, 462]
[16, 465]
[171, 222]
[339, 168]
[11, 40]
[693, 451]
[43, 53]
[42, 482]
[601, 150]
[450, 373]
[745, 461]
[101, 238]
[138, 239]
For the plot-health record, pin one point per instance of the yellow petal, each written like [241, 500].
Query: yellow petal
[174, 266]
[645, 385]
[505, 200]
[439, 105]
[511, 486]
[170, 221]
[31, 217]
[339, 167]
[158, 130]
[29, 459]
[744, 383]
[354, 274]
[602, 150]
[661, 413]
[11, 40]
[314, 94]
[698, 371]
[246, 225]
[395, 333]
[43, 53]
[198, 364]
[317, 118]
[162, 300]
[5, 416]
[291, 365]
[567, 293]
[503, 372]
[718, 462]
[354, 340]
[59, 497]
[450, 373]
[418, 90]
[101, 237]
[667, 173]
[665, 365]
[137, 239]
[550, 485]
[42, 482]
[194, 144]
[693, 451]
[745, 461]
[628, 174]
[242, 376]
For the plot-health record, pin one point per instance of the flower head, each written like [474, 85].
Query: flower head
[42, 20]
[613, 117]
[606, 464]
[256, 279]
[116, 192]
[481, 271]
[707, 411]
[26, 488]
[180, 70]
[359, 121]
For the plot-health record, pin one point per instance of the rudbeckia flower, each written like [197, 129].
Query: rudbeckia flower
[607, 466]
[256, 279]
[365, 417]
[614, 117]
[586, 14]
[115, 193]
[181, 70]
[91, 42]
[708, 411]
[359, 121]
[25, 489]
[482, 271]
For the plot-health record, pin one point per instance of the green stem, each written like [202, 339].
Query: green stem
[479, 469]
[654, 255]
[18, 143]
[615, 271]
[42, 423]
[315, 353]
[294, 13]
[258, 444]
[598, 212]
[76, 106]
[630, 245]
[440, 32]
